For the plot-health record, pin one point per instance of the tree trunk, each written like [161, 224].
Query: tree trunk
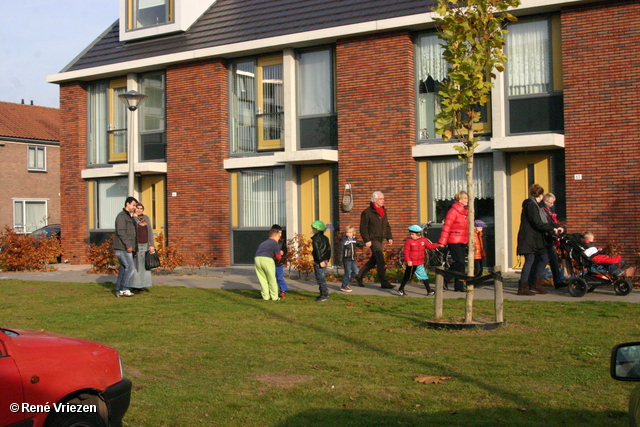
[468, 312]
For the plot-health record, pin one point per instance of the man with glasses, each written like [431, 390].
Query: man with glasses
[374, 228]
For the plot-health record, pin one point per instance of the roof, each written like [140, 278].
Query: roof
[31, 122]
[234, 21]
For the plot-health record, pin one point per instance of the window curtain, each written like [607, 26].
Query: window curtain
[35, 215]
[244, 108]
[529, 52]
[430, 57]
[111, 194]
[448, 176]
[97, 144]
[262, 197]
[315, 94]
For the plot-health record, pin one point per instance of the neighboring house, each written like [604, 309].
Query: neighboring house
[262, 112]
[29, 166]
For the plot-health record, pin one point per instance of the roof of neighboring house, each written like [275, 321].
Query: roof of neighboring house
[21, 121]
[234, 21]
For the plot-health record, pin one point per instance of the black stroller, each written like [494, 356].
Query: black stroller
[586, 275]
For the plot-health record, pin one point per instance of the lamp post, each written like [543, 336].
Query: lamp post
[132, 99]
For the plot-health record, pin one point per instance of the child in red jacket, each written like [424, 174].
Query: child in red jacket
[414, 248]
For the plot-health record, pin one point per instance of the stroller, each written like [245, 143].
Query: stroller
[586, 274]
[439, 257]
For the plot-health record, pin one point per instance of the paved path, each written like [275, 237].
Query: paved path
[244, 277]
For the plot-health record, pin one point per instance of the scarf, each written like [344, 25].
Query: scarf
[379, 210]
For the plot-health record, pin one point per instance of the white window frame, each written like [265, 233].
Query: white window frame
[21, 227]
[39, 150]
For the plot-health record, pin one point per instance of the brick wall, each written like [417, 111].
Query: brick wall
[18, 182]
[601, 61]
[73, 158]
[197, 142]
[376, 126]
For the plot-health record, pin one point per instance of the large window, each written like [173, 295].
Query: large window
[106, 123]
[316, 106]
[29, 215]
[37, 158]
[257, 105]
[106, 200]
[431, 70]
[258, 202]
[152, 117]
[534, 76]
[148, 13]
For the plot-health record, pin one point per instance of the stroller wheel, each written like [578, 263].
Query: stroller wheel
[623, 286]
[577, 287]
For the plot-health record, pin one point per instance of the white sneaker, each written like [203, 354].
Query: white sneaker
[125, 293]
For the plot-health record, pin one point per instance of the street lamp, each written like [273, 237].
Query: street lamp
[132, 99]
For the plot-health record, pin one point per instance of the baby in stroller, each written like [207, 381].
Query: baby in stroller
[592, 267]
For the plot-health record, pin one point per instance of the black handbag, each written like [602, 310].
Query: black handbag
[151, 260]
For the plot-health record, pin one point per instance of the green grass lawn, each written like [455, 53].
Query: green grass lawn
[202, 357]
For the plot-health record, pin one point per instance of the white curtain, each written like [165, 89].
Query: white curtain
[430, 58]
[111, 193]
[97, 126]
[529, 52]
[262, 197]
[315, 95]
[35, 215]
[448, 176]
[244, 108]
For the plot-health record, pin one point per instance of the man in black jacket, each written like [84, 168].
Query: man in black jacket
[374, 228]
[124, 242]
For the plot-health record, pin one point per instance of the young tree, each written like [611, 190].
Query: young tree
[473, 38]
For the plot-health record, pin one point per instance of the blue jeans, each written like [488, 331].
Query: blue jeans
[319, 273]
[350, 271]
[126, 270]
[282, 285]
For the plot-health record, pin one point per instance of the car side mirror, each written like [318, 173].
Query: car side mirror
[625, 362]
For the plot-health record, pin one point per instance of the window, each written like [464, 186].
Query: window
[106, 200]
[37, 158]
[432, 69]
[258, 201]
[29, 215]
[106, 123]
[534, 76]
[257, 105]
[149, 13]
[153, 145]
[447, 176]
[316, 105]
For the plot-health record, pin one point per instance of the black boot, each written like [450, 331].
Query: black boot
[323, 297]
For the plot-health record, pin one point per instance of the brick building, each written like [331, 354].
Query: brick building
[263, 112]
[29, 166]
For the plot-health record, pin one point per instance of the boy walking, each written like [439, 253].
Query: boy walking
[347, 256]
[321, 255]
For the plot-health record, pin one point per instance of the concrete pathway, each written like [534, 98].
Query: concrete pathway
[244, 277]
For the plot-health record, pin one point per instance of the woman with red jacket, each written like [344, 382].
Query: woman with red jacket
[455, 234]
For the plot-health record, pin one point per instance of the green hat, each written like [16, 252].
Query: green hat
[318, 225]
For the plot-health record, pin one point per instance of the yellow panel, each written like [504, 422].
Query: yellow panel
[91, 195]
[265, 144]
[310, 178]
[153, 197]
[235, 219]
[556, 52]
[519, 184]
[423, 192]
[115, 102]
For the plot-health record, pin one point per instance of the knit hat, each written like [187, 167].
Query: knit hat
[479, 223]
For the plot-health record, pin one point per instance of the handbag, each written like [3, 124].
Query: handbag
[151, 260]
[421, 273]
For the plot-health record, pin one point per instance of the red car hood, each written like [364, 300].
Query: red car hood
[56, 364]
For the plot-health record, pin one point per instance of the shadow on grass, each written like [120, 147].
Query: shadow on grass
[511, 417]
[360, 345]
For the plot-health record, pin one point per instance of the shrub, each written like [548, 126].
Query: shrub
[299, 256]
[170, 256]
[24, 252]
[102, 258]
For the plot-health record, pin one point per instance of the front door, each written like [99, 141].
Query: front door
[152, 196]
[315, 198]
[526, 170]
